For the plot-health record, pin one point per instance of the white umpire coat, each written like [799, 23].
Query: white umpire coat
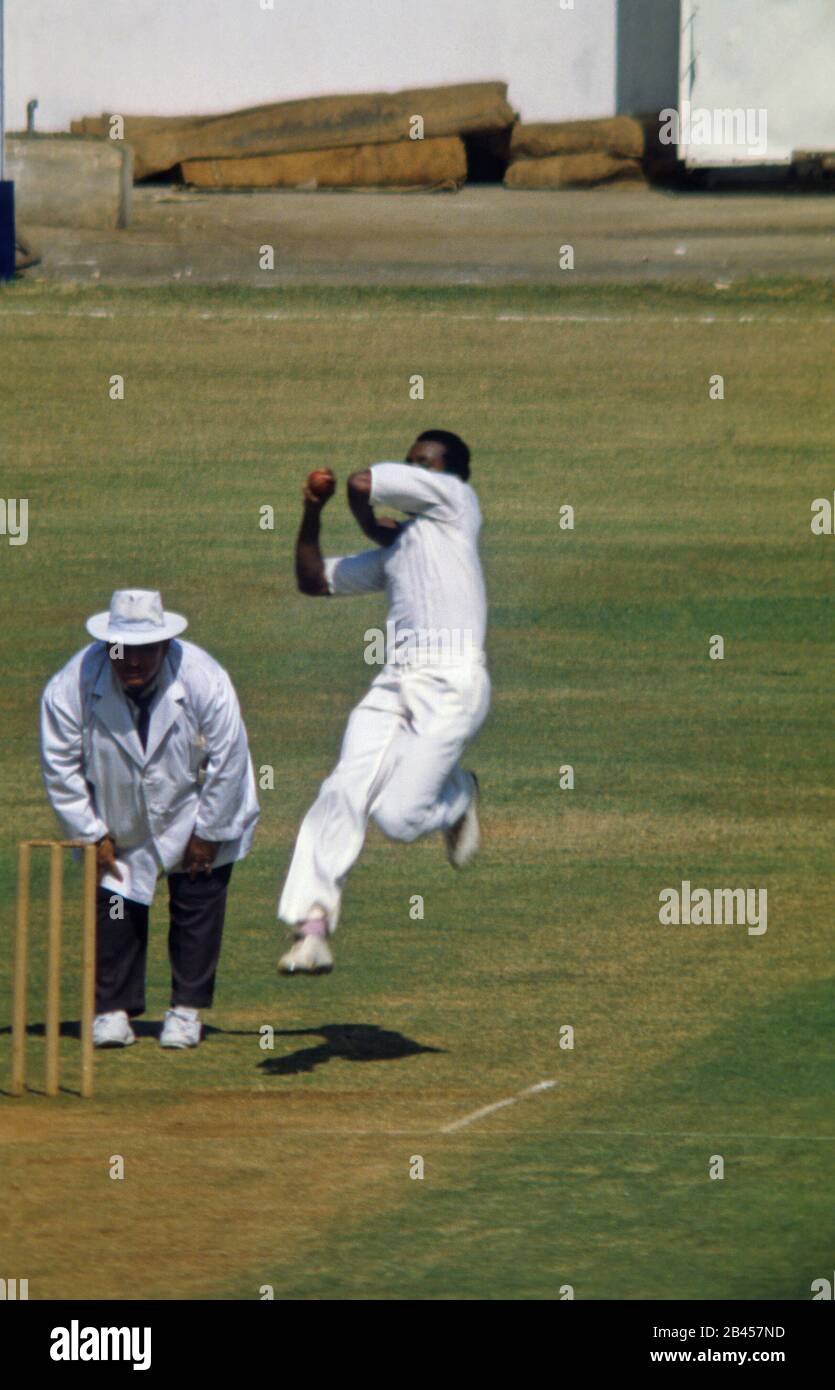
[194, 775]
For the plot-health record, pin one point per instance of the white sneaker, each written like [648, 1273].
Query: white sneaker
[309, 955]
[181, 1029]
[112, 1030]
[463, 839]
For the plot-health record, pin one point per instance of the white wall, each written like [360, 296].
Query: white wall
[174, 57]
[774, 56]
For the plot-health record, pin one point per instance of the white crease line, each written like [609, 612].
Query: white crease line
[497, 1105]
[290, 317]
[694, 1134]
[647, 318]
[416, 1132]
[631, 318]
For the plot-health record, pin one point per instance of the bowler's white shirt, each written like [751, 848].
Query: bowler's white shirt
[432, 573]
[195, 773]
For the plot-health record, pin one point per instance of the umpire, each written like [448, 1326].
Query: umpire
[145, 755]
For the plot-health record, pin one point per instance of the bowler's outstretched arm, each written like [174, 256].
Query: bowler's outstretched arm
[310, 566]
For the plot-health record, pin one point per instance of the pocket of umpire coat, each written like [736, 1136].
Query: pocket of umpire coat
[198, 758]
[87, 753]
[87, 769]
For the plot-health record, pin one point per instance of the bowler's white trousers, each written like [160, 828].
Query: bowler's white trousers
[399, 765]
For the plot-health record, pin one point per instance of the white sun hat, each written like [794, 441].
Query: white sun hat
[136, 617]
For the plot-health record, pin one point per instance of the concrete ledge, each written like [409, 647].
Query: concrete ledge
[70, 181]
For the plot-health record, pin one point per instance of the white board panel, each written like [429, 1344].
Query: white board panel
[764, 72]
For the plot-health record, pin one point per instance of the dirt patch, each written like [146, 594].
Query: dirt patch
[213, 1186]
[482, 235]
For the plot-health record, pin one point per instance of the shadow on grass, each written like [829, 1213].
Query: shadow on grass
[353, 1042]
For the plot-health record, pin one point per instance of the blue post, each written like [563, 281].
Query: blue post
[7, 237]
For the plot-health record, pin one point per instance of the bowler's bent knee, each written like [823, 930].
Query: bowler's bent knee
[400, 824]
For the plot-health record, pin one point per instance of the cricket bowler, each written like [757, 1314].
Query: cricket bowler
[399, 762]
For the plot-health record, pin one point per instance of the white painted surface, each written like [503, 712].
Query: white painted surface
[771, 55]
[174, 57]
[2, 91]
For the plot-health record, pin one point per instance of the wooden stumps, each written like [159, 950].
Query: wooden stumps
[21, 961]
[53, 967]
[88, 970]
[54, 954]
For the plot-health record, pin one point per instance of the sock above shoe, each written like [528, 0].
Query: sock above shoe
[313, 926]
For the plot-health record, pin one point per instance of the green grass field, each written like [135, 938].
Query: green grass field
[290, 1167]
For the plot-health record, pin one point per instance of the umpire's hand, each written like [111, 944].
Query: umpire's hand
[106, 859]
[199, 856]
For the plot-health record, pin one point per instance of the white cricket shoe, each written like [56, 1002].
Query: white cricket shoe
[463, 839]
[309, 955]
[181, 1029]
[112, 1030]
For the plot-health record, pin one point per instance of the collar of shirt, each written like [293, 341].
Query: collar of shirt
[141, 699]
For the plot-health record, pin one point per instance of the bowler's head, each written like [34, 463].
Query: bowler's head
[441, 452]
